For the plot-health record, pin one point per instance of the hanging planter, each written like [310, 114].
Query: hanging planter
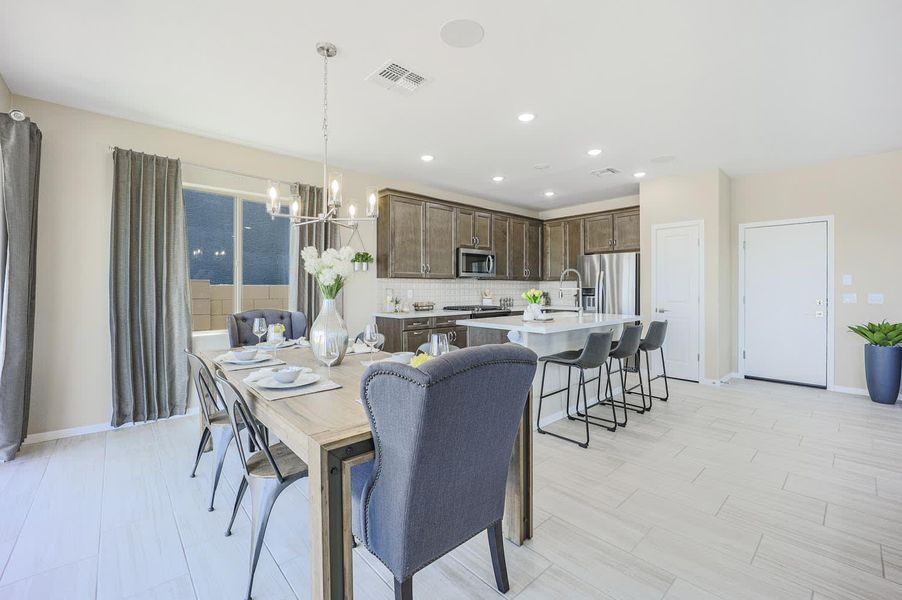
[882, 359]
[362, 261]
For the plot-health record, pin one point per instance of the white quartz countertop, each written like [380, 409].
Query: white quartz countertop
[562, 322]
[423, 314]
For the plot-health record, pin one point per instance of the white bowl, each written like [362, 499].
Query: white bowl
[286, 374]
[401, 357]
[244, 353]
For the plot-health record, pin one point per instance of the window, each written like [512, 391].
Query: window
[237, 255]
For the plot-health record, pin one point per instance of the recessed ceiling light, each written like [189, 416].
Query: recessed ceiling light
[526, 117]
[639, 174]
[427, 158]
[498, 178]
[549, 194]
[594, 152]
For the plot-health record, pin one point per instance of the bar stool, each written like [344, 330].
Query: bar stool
[653, 340]
[593, 356]
[627, 346]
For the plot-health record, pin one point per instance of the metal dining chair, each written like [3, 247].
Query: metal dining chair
[444, 434]
[267, 472]
[594, 355]
[215, 420]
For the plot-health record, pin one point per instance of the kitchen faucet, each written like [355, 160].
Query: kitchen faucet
[578, 289]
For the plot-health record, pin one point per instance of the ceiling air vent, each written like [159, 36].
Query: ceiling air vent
[393, 76]
[605, 172]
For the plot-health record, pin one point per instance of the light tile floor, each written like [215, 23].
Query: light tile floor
[749, 490]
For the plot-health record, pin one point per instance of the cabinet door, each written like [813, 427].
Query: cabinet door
[440, 241]
[626, 231]
[599, 234]
[406, 237]
[465, 235]
[554, 250]
[413, 339]
[518, 249]
[533, 251]
[500, 244]
[459, 336]
[574, 231]
[482, 230]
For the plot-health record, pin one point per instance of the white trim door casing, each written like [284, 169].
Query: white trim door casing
[786, 301]
[677, 285]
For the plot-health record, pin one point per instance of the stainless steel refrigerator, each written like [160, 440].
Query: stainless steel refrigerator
[610, 282]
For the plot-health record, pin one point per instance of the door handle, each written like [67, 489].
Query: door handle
[663, 310]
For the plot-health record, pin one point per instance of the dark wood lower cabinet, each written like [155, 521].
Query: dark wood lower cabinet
[408, 334]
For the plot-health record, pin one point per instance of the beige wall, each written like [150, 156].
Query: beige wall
[71, 386]
[5, 96]
[864, 195]
[698, 197]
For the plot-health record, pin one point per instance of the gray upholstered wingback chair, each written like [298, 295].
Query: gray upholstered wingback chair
[444, 434]
[241, 325]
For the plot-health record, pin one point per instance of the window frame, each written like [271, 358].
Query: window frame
[239, 196]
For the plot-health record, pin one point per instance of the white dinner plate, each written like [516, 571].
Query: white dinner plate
[274, 346]
[261, 357]
[303, 379]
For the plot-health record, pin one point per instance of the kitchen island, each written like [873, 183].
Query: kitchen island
[567, 331]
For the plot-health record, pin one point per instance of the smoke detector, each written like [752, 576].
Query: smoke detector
[605, 172]
[393, 76]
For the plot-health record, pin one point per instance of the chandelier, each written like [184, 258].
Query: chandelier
[332, 180]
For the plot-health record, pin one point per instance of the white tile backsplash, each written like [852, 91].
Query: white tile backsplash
[445, 292]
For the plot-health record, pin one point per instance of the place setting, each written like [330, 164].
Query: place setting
[278, 383]
[238, 359]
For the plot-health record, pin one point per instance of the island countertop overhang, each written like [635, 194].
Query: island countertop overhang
[562, 323]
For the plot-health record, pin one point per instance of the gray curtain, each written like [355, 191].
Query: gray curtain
[150, 313]
[307, 297]
[20, 166]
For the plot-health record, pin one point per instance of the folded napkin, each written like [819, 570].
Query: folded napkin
[358, 348]
[320, 386]
[228, 367]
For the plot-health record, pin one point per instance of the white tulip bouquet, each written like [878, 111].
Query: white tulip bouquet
[331, 269]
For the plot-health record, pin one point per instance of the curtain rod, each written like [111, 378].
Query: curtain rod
[236, 173]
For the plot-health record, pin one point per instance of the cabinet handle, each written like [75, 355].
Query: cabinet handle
[615, 243]
[422, 267]
[610, 242]
[427, 268]
[477, 240]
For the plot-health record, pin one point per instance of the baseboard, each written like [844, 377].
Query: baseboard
[851, 390]
[46, 436]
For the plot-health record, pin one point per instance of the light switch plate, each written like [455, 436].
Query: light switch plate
[875, 298]
[847, 279]
[850, 298]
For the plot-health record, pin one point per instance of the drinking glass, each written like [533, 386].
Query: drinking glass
[260, 328]
[371, 339]
[438, 344]
[330, 354]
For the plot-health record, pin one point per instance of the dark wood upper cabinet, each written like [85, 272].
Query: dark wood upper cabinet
[440, 247]
[554, 249]
[466, 237]
[482, 229]
[599, 233]
[533, 250]
[474, 228]
[518, 249]
[626, 231]
[401, 227]
[573, 230]
[501, 245]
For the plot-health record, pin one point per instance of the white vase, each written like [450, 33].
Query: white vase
[328, 325]
[532, 312]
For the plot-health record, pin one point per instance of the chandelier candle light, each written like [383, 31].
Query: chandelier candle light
[332, 180]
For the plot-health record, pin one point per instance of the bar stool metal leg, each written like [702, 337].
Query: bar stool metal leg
[649, 379]
[609, 424]
[543, 395]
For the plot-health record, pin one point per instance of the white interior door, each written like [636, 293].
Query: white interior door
[677, 296]
[785, 294]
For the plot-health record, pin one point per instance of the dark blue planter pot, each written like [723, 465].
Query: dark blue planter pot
[883, 369]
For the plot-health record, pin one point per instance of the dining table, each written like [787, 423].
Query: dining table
[330, 431]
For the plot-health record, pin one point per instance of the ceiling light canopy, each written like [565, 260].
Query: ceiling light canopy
[594, 152]
[526, 117]
[427, 158]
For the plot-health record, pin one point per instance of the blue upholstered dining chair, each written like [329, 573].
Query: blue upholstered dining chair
[444, 434]
[241, 325]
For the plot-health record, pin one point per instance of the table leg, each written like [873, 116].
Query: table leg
[518, 501]
[331, 574]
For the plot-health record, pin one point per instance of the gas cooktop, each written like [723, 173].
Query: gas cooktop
[474, 308]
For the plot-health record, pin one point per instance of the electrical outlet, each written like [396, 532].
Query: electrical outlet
[847, 279]
[850, 298]
[875, 298]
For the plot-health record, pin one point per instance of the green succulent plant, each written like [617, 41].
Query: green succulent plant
[879, 334]
[363, 257]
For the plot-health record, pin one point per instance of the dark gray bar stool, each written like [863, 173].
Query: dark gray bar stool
[653, 340]
[627, 346]
[593, 356]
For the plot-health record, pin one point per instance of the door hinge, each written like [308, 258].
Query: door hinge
[698, 357]
[743, 245]
[743, 354]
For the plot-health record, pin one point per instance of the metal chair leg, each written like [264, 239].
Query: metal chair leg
[242, 487]
[570, 416]
[664, 371]
[496, 548]
[264, 493]
[204, 437]
[221, 440]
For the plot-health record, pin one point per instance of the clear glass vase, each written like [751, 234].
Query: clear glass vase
[328, 325]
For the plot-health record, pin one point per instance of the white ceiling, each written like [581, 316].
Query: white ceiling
[745, 86]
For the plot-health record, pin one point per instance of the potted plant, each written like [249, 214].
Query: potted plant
[882, 359]
[533, 310]
[362, 261]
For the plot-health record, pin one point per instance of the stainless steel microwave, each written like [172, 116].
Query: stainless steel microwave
[475, 263]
